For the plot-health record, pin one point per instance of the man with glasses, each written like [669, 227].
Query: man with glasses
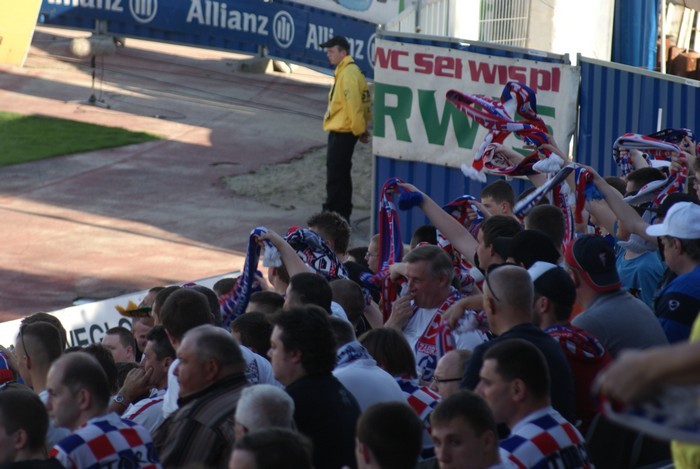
[508, 301]
[448, 372]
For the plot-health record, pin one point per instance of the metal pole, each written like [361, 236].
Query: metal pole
[662, 39]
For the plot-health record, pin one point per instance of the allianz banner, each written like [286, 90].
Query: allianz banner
[289, 31]
[413, 121]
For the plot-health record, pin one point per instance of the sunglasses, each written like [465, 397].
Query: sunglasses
[489, 271]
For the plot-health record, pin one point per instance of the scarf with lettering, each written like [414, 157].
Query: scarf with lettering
[499, 118]
[436, 340]
[234, 303]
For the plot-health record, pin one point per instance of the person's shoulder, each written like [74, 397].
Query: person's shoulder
[50, 463]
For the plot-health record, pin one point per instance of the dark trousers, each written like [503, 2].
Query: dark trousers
[338, 178]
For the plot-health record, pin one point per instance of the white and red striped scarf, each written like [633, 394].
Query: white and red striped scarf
[436, 340]
[499, 118]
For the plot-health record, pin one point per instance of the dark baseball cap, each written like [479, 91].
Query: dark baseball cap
[339, 41]
[551, 281]
[593, 258]
[530, 246]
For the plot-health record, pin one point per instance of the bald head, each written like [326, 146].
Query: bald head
[508, 297]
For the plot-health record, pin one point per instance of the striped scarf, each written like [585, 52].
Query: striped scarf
[570, 202]
[525, 205]
[498, 117]
[654, 149]
[234, 303]
[390, 243]
[436, 340]
[458, 209]
[657, 191]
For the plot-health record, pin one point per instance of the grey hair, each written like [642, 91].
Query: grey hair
[264, 406]
[215, 342]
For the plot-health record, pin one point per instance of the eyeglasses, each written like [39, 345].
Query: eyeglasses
[437, 380]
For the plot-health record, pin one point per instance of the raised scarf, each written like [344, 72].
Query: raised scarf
[390, 242]
[499, 118]
[316, 253]
[654, 149]
[458, 208]
[234, 303]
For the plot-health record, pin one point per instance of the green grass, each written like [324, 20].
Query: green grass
[30, 138]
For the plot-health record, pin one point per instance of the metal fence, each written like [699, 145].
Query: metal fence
[504, 22]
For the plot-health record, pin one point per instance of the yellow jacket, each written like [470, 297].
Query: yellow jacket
[348, 101]
[687, 455]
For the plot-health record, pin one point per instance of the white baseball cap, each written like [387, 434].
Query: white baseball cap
[682, 221]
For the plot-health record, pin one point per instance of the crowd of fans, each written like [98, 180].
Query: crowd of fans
[485, 345]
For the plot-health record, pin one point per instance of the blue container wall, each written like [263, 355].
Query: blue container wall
[617, 100]
[442, 183]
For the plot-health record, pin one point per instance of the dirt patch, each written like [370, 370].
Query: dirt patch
[301, 184]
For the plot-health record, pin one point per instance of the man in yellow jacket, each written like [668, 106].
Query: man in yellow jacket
[345, 121]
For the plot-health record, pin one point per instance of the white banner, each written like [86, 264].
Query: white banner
[413, 120]
[374, 11]
[87, 323]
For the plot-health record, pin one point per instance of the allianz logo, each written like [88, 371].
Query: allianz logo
[142, 11]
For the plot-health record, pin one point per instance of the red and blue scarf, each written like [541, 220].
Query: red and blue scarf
[390, 242]
[234, 303]
[499, 118]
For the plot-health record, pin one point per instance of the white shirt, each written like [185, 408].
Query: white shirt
[147, 412]
[368, 383]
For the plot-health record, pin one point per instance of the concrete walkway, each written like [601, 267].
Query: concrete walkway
[107, 222]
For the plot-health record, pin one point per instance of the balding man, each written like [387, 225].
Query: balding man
[508, 299]
[211, 377]
[448, 373]
[78, 398]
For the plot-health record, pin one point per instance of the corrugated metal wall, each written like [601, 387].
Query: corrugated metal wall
[615, 99]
